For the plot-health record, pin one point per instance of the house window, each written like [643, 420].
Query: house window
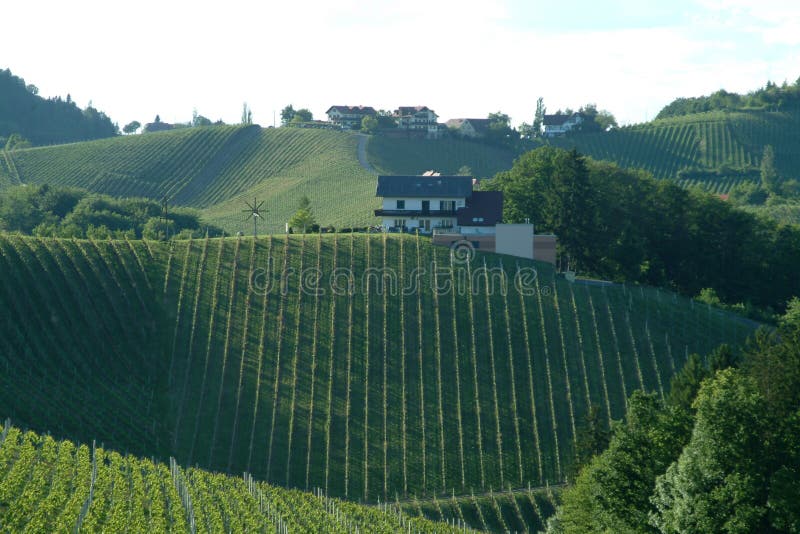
[447, 205]
[401, 204]
[477, 219]
[399, 223]
[447, 223]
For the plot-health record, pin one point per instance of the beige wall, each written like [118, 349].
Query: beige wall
[543, 246]
[514, 240]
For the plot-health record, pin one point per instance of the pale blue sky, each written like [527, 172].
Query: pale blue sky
[463, 58]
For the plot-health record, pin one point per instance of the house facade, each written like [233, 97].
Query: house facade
[349, 117]
[555, 125]
[416, 118]
[429, 203]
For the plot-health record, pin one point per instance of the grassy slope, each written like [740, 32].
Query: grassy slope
[701, 141]
[447, 156]
[44, 484]
[162, 349]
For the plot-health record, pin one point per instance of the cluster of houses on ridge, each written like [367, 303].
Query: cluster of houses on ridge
[422, 121]
[451, 210]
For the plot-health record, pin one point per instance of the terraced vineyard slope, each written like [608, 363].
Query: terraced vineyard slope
[300, 360]
[214, 168]
[59, 486]
[714, 150]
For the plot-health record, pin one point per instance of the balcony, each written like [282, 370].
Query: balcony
[415, 213]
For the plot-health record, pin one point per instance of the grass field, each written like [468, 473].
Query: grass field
[730, 141]
[167, 350]
[59, 486]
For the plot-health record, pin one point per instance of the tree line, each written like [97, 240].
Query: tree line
[65, 212]
[624, 225]
[46, 121]
[771, 97]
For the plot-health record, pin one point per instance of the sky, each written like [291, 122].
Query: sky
[462, 58]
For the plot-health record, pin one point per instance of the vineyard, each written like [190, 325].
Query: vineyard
[714, 150]
[214, 168]
[523, 510]
[299, 359]
[58, 486]
[414, 156]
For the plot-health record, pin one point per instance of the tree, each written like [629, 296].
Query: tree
[592, 439]
[16, 141]
[612, 492]
[287, 114]
[538, 117]
[500, 131]
[594, 120]
[303, 218]
[719, 482]
[303, 115]
[199, 120]
[247, 114]
[369, 124]
[464, 170]
[770, 180]
[131, 127]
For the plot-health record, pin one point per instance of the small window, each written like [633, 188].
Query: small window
[401, 204]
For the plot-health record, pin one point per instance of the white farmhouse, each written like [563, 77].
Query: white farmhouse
[555, 125]
[349, 117]
[437, 202]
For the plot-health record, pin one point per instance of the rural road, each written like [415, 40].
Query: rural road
[362, 153]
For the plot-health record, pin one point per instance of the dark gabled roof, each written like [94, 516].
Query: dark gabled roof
[364, 110]
[410, 110]
[484, 205]
[556, 120]
[424, 186]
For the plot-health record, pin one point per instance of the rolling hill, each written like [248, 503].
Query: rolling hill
[217, 168]
[317, 377]
[715, 150]
[59, 486]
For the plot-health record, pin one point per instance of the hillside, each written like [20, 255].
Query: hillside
[714, 150]
[59, 486]
[216, 168]
[170, 349]
[447, 156]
